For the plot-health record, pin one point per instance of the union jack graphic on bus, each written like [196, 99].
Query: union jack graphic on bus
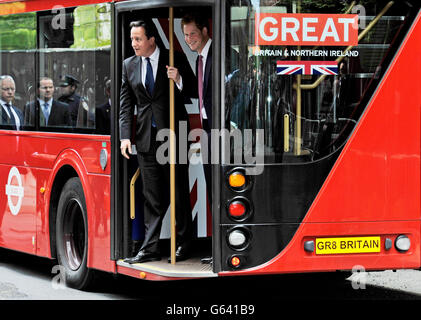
[307, 67]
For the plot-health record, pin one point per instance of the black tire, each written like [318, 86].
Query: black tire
[72, 235]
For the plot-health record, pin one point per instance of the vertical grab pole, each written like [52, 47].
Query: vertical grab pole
[298, 137]
[172, 139]
[297, 149]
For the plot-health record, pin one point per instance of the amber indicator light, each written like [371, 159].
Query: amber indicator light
[237, 180]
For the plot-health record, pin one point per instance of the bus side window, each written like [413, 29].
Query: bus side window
[75, 52]
[17, 60]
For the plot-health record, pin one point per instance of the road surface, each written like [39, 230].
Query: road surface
[26, 277]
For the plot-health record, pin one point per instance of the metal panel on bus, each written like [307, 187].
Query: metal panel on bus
[18, 202]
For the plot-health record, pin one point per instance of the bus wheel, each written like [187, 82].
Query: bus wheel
[72, 235]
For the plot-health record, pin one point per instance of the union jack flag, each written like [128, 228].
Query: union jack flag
[307, 67]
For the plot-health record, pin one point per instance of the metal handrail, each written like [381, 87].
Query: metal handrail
[360, 37]
[298, 86]
[132, 194]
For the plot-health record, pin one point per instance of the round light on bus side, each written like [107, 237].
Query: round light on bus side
[238, 238]
[239, 209]
[234, 261]
[402, 243]
[237, 180]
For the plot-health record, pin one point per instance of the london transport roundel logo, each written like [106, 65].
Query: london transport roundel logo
[13, 191]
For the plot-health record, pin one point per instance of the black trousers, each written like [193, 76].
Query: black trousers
[207, 167]
[156, 191]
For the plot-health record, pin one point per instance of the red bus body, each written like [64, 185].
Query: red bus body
[373, 188]
[39, 163]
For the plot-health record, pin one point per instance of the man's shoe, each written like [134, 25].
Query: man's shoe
[143, 256]
[136, 245]
[181, 254]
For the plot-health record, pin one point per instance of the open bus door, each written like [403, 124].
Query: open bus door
[127, 215]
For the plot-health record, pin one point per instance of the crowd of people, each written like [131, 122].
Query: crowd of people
[68, 110]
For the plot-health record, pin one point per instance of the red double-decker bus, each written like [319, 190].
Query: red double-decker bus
[321, 103]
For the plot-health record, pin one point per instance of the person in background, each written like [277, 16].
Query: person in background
[103, 112]
[11, 116]
[68, 95]
[51, 112]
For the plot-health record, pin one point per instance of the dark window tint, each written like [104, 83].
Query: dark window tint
[306, 116]
[60, 62]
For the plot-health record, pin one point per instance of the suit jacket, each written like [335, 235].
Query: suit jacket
[133, 93]
[207, 87]
[102, 118]
[73, 101]
[5, 120]
[59, 114]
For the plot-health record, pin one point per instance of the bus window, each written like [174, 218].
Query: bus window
[17, 58]
[306, 98]
[74, 52]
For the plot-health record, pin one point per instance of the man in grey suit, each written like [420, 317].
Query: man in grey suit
[145, 86]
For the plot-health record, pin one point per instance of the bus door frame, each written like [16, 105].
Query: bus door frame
[119, 200]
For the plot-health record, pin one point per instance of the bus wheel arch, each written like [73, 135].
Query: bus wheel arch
[63, 175]
[71, 234]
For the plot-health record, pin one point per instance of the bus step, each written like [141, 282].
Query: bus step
[190, 268]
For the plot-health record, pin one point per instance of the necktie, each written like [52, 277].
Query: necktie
[150, 83]
[46, 112]
[200, 84]
[11, 116]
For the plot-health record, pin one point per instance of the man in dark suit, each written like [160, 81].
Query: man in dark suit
[11, 116]
[51, 112]
[103, 112]
[196, 35]
[145, 86]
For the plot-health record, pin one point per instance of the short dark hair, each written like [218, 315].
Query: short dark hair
[148, 26]
[43, 78]
[201, 21]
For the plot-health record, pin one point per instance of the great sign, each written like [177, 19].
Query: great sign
[306, 29]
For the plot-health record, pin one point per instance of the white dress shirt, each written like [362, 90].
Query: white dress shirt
[42, 104]
[153, 58]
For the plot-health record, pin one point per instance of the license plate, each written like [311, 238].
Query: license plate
[347, 245]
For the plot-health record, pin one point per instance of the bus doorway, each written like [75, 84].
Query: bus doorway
[129, 228]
